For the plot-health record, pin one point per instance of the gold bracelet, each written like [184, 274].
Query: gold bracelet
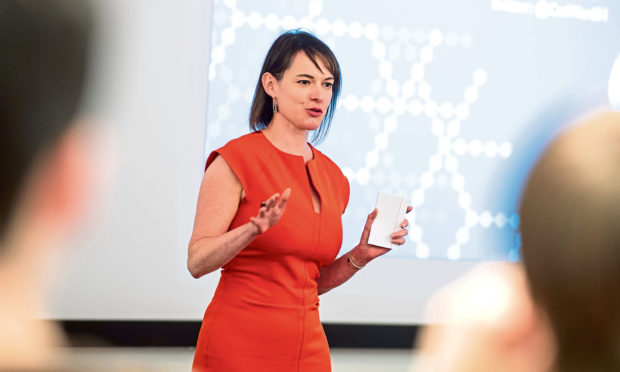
[356, 267]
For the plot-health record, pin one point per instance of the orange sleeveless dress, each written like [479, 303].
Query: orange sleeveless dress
[264, 314]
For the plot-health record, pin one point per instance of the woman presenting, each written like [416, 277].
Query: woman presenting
[269, 214]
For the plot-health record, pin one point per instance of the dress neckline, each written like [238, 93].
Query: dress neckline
[288, 153]
[308, 165]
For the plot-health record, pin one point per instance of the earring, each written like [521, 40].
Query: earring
[274, 105]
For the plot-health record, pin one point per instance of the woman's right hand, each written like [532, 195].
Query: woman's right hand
[271, 211]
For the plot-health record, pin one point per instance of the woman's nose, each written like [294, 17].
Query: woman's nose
[316, 93]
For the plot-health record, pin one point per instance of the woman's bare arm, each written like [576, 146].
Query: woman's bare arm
[212, 245]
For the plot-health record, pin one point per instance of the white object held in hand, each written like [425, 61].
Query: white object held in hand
[391, 213]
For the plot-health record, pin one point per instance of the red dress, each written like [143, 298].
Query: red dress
[264, 314]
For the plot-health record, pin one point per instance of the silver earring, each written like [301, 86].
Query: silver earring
[274, 105]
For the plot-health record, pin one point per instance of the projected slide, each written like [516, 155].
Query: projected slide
[444, 102]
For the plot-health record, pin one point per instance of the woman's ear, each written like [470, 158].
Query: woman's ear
[269, 83]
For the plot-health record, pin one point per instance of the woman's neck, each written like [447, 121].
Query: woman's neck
[288, 138]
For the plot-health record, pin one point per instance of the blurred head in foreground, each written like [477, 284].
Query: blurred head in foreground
[558, 310]
[570, 224]
[45, 163]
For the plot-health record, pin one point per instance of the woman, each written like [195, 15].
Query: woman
[277, 250]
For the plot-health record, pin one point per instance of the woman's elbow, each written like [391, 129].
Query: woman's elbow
[199, 261]
[193, 270]
[193, 264]
[198, 268]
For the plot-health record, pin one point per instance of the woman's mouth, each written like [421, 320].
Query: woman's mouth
[314, 111]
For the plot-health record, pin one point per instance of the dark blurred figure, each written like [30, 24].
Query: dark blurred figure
[570, 223]
[558, 311]
[45, 163]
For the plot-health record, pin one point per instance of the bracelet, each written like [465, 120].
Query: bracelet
[257, 227]
[356, 267]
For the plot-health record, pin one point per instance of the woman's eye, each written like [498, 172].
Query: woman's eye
[304, 82]
[328, 85]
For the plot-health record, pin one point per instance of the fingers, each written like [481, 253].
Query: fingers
[399, 241]
[371, 218]
[398, 237]
[272, 201]
[271, 210]
[406, 222]
[399, 234]
[266, 205]
[284, 198]
[275, 200]
[369, 221]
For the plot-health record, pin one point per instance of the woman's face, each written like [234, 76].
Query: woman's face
[304, 92]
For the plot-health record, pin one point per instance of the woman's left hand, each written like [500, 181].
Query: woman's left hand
[367, 252]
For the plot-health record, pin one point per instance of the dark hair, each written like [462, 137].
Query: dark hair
[43, 52]
[278, 60]
[570, 225]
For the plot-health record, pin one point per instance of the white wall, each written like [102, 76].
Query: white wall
[149, 87]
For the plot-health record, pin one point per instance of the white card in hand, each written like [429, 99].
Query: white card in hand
[392, 210]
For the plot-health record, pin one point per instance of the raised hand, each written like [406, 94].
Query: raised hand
[370, 251]
[271, 211]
